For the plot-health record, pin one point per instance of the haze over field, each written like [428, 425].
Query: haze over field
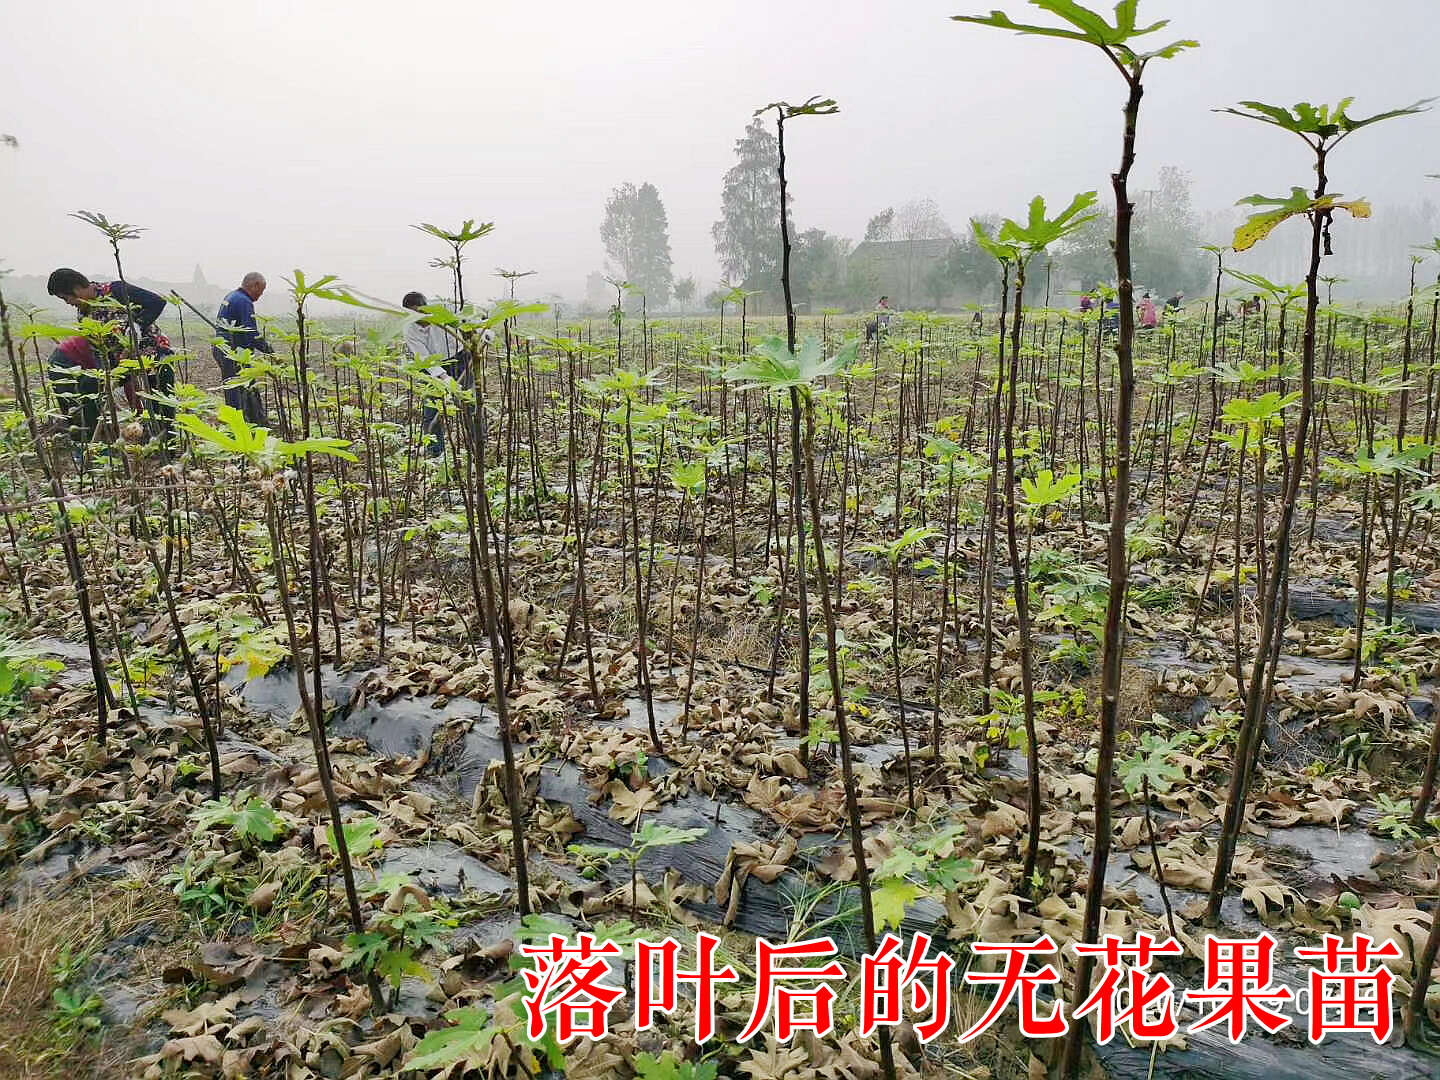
[274, 136]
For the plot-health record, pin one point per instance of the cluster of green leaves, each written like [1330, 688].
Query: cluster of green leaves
[218, 626]
[772, 366]
[1016, 242]
[256, 444]
[916, 869]
[1090, 27]
[1262, 223]
[76, 1006]
[22, 667]
[207, 891]
[479, 1038]
[1394, 820]
[895, 550]
[1046, 490]
[1145, 539]
[650, 835]
[1386, 461]
[251, 820]
[1072, 595]
[1322, 127]
[389, 949]
[1154, 762]
[77, 1011]
[1319, 124]
[362, 836]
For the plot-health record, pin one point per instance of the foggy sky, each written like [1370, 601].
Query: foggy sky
[312, 134]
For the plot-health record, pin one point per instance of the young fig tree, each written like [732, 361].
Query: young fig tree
[271, 459]
[1322, 128]
[774, 368]
[1120, 43]
[1025, 241]
[814, 106]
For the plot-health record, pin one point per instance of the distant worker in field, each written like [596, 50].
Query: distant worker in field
[426, 341]
[238, 330]
[1087, 303]
[1110, 316]
[881, 321]
[1149, 317]
[136, 310]
[1176, 302]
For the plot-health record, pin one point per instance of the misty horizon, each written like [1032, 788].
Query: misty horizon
[279, 138]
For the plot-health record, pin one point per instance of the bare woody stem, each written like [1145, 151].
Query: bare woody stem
[1113, 646]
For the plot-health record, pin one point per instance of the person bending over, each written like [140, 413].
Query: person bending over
[137, 310]
[75, 373]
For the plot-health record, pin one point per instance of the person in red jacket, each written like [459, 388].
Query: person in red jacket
[1149, 317]
[81, 395]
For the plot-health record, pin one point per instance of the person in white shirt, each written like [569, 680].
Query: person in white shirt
[426, 341]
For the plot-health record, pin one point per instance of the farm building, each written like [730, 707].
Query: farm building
[904, 270]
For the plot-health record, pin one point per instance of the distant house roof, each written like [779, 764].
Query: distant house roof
[902, 249]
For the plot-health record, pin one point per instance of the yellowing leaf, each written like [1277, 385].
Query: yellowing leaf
[1256, 228]
[890, 898]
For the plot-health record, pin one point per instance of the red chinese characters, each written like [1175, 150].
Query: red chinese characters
[1128, 993]
[1238, 975]
[771, 987]
[567, 981]
[1014, 979]
[884, 977]
[1354, 1001]
[1350, 991]
[657, 977]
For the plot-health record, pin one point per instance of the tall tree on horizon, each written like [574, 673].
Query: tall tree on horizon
[918, 220]
[1166, 241]
[746, 242]
[817, 268]
[636, 235]
[881, 227]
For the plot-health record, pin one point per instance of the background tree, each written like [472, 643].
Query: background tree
[746, 242]
[597, 291]
[967, 269]
[881, 227]
[685, 291]
[916, 221]
[921, 219]
[817, 268]
[1166, 242]
[637, 240]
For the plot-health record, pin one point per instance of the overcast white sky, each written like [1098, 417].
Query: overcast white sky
[311, 134]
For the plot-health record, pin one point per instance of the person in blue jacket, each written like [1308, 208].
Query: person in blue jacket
[239, 331]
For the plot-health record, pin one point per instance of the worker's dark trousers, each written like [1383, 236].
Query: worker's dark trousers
[245, 398]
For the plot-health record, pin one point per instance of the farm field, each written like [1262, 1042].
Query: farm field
[590, 437]
[769, 693]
